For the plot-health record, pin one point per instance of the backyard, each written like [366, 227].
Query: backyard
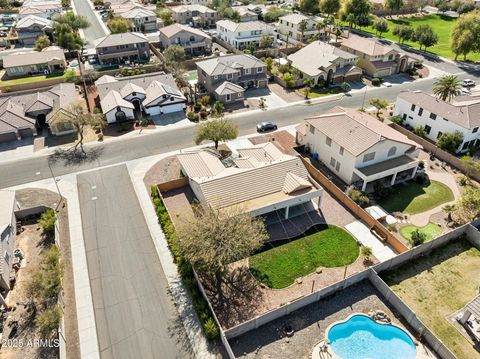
[431, 231]
[413, 198]
[29, 79]
[325, 246]
[438, 286]
[442, 26]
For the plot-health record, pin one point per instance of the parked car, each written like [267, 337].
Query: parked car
[387, 84]
[266, 126]
[468, 83]
[92, 59]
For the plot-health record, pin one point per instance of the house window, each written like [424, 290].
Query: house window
[239, 94]
[328, 141]
[427, 129]
[404, 116]
[412, 108]
[312, 130]
[368, 156]
[392, 151]
[332, 162]
[439, 134]
[247, 71]
[192, 38]
[420, 111]
[229, 76]
[390, 57]
[337, 167]
[215, 77]
[227, 97]
[7, 258]
[433, 116]
[260, 70]
[341, 150]
[475, 130]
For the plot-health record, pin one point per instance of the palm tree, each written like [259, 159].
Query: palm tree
[319, 26]
[449, 209]
[303, 27]
[446, 87]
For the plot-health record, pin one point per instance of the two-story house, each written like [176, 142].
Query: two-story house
[437, 117]
[31, 27]
[195, 2]
[8, 231]
[245, 13]
[141, 19]
[291, 26]
[194, 41]
[227, 77]
[195, 15]
[376, 59]
[47, 9]
[358, 148]
[121, 48]
[323, 63]
[242, 35]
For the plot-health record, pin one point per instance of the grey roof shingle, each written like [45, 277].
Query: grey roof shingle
[229, 64]
[120, 39]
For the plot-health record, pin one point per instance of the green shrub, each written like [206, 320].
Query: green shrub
[376, 81]
[184, 268]
[397, 119]
[49, 320]
[417, 238]
[192, 116]
[357, 196]
[47, 221]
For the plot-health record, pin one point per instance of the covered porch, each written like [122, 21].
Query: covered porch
[389, 172]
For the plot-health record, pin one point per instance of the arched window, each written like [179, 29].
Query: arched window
[392, 151]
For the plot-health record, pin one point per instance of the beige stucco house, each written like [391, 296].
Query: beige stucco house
[290, 26]
[22, 64]
[194, 41]
[196, 15]
[121, 48]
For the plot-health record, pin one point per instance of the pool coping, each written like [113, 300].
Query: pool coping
[414, 341]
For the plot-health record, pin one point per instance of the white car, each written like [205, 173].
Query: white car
[387, 84]
[468, 83]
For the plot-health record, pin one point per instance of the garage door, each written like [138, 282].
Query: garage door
[384, 72]
[153, 110]
[173, 108]
[26, 132]
[7, 137]
[262, 83]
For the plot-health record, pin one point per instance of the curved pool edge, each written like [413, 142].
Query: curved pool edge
[335, 356]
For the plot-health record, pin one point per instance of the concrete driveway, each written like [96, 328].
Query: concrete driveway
[272, 100]
[134, 314]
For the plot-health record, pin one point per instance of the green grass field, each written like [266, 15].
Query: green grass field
[412, 198]
[326, 246]
[24, 80]
[431, 231]
[442, 27]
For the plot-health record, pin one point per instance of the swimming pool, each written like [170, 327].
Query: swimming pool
[360, 337]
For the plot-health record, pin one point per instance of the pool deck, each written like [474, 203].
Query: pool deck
[310, 324]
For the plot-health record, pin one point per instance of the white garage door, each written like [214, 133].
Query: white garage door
[173, 108]
[153, 110]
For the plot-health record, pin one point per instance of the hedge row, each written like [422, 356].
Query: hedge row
[184, 268]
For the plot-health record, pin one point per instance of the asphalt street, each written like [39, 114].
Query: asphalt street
[113, 152]
[95, 30]
[135, 317]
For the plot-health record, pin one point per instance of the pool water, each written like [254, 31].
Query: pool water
[362, 338]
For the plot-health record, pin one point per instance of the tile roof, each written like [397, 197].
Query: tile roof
[120, 39]
[355, 131]
[48, 54]
[113, 100]
[137, 12]
[366, 45]
[32, 20]
[194, 7]
[462, 110]
[243, 26]
[229, 64]
[294, 18]
[227, 87]
[316, 56]
[200, 164]
[171, 30]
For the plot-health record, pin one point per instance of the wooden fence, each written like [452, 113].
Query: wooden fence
[372, 223]
[438, 152]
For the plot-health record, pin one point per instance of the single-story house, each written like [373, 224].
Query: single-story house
[21, 64]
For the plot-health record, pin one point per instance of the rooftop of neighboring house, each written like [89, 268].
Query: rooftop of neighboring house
[33, 20]
[228, 88]
[113, 91]
[297, 18]
[259, 175]
[190, 8]
[36, 8]
[366, 45]
[243, 26]
[229, 64]
[316, 56]
[119, 8]
[48, 54]
[244, 10]
[7, 199]
[462, 110]
[14, 108]
[353, 130]
[138, 12]
[126, 38]
[174, 29]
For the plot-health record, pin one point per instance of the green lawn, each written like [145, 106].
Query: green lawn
[191, 75]
[442, 27]
[29, 79]
[412, 198]
[324, 92]
[431, 231]
[326, 246]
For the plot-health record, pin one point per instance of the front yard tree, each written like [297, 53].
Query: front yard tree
[174, 54]
[394, 5]
[166, 16]
[67, 38]
[303, 27]
[42, 42]
[266, 41]
[425, 36]
[309, 6]
[378, 103]
[380, 26]
[119, 25]
[75, 22]
[216, 130]
[77, 117]
[214, 239]
[329, 7]
[446, 87]
[450, 141]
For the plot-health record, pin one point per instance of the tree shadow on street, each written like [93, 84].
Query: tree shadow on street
[72, 157]
[236, 298]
